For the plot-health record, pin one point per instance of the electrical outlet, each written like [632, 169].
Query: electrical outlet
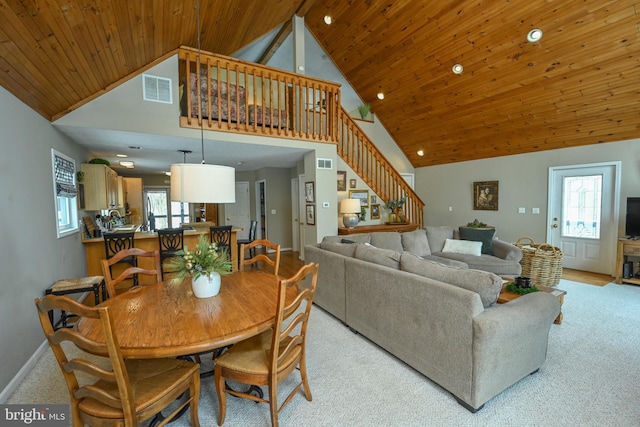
[450, 208]
[273, 211]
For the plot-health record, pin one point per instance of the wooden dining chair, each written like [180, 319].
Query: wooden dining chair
[254, 360]
[130, 391]
[112, 284]
[275, 263]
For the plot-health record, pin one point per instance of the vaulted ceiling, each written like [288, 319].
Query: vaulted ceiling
[579, 85]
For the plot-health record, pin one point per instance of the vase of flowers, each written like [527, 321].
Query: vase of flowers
[204, 266]
[395, 209]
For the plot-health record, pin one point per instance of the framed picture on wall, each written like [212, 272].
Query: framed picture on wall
[485, 195]
[375, 211]
[309, 192]
[362, 195]
[311, 215]
[342, 180]
[352, 183]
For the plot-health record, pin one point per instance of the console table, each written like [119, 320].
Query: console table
[627, 248]
[380, 227]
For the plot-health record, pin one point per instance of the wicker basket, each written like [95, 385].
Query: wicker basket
[542, 263]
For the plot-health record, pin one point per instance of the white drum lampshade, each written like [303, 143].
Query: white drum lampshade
[202, 183]
[350, 208]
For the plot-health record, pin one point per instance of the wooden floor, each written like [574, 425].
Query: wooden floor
[588, 277]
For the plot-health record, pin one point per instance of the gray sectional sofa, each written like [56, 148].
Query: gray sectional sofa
[440, 319]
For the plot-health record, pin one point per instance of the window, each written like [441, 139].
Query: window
[159, 211]
[64, 191]
[582, 208]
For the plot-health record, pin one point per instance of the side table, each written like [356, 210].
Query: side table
[506, 296]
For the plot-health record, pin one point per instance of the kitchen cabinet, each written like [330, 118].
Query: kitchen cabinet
[100, 187]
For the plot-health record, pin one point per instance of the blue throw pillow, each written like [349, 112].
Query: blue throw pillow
[484, 235]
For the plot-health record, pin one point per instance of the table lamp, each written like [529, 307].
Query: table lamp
[350, 208]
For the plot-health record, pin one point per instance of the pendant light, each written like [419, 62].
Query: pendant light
[202, 183]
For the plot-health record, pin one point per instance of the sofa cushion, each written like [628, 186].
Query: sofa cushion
[345, 249]
[356, 238]
[484, 235]
[386, 257]
[437, 237]
[387, 240]
[485, 284]
[416, 242]
[466, 247]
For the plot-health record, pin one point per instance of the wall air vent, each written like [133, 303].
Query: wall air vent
[324, 163]
[156, 89]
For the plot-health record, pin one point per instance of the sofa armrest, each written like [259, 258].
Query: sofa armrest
[510, 342]
[506, 250]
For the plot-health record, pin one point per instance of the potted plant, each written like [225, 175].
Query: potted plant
[395, 209]
[364, 110]
[204, 265]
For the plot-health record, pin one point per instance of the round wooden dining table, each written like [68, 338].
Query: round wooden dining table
[167, 320]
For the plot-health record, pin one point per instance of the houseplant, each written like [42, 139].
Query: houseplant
[395, 209]
[204, 265]
[364, 110]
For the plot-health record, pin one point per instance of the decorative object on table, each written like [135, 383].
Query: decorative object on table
[350, 208]
[395, 210]
[477, 224]
[364, 110]
[311, 214]
[375, 211]
[97, 161]
[362, 215]
[362, 195]
[342, 180]
[541, 262]
[352, 183]
[485, 195]
[204, 265]
[521, 286]
[309, 192]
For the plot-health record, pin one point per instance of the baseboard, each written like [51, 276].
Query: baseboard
[22, 373]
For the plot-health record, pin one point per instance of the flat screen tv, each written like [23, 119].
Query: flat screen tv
[632, 227]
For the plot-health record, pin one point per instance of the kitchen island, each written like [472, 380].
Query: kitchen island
[148, 241]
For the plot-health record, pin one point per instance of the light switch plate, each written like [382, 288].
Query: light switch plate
[535, 210]
[521, 210]
[325, 204]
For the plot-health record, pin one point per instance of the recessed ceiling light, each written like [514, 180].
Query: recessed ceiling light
[126, 164]
[420, 153]
[380, 95]
[121, 155]
[534, 35]
[457, 69]
[327, 19]
[168, 173]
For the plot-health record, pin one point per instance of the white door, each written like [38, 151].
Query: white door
[301, 214]
[237, 214]
[583, 215]
[295, 220]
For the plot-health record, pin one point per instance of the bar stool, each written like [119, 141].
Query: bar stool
[170, 241]
[221, 236]
[116, 242]
[93, 284]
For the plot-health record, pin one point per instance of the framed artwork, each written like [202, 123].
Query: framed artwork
[373, 199]
[485, 195]
[375, 211]
[362, 195]
[352, 183]
[309, 192]
[342, 180]
[311, 214]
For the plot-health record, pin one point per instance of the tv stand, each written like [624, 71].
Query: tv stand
[627, 247]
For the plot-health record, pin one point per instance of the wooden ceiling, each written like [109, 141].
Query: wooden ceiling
[579, 85]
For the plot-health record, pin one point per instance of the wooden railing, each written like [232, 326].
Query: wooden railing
[243, 97]
[357, 150]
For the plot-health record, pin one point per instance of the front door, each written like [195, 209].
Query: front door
[583, 215]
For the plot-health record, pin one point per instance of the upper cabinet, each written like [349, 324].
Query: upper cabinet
[100, 187]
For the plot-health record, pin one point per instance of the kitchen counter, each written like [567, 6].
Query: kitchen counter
[148, 241]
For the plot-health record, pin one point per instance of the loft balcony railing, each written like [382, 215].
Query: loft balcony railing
[242, 97]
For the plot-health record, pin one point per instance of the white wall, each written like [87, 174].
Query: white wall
[522, 183]
[33, 257]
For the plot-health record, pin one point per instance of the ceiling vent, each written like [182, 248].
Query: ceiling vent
[324, 163]
[156, 89]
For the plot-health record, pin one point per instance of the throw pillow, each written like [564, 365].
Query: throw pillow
[466, 247]
[386, 257]
[485, 284]
[484, 235]
[416, 242]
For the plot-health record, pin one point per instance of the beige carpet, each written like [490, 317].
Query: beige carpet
[590, 378]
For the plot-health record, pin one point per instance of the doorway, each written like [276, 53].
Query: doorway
[583, 215]
[237, 214]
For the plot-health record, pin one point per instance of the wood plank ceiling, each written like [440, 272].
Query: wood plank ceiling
[579, 85]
